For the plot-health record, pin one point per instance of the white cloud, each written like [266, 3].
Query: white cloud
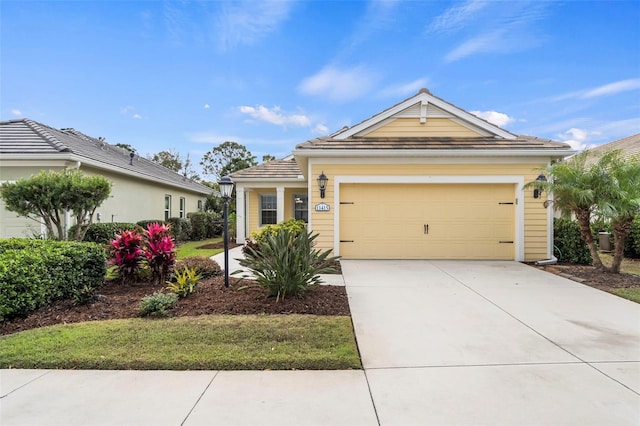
[578, 138]
[320, 129]
[404, 89]
[206, 106]
[604, 90]
[276, 116]
[339, 84]
[16, 112]
[494, 117]
[457, 16]
[127, 109]
[613, 88]
[246, 22]
[137, 116]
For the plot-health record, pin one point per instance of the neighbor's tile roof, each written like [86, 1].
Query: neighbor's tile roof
[286, 168]
[34, 139]
[629, 147]
[430, 143]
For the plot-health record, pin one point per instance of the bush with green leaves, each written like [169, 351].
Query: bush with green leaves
[103, 233]
[204, 266]
[35, 272]
[292, 226]
[144, 223]
[205, 225]
[571, 248]
[632, 243]
[181, 228]
[287, 262]
[185, 282]
[157, 304]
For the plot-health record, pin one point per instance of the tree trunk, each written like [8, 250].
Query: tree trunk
[584, 218]
[621, 229]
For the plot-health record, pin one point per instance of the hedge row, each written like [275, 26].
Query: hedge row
[35, 272]
[571, 248]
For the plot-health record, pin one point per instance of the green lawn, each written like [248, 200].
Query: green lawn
[632, 294]
[191, 248]
[235, 342]
[629, 266]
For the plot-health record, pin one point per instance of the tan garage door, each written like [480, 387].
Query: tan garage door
[427, 221]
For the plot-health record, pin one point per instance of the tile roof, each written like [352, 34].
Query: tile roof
[430, 143]
[285, 168]
[26, 137]
[629, 147]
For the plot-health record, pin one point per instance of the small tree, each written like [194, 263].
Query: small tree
[227, 158]
[48, 195]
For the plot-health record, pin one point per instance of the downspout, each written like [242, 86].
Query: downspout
[545, 262]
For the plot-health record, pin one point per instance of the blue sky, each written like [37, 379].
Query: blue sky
[188, 75]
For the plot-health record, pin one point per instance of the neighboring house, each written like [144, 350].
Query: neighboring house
[141, 188]
[423, 179]
[629, 147]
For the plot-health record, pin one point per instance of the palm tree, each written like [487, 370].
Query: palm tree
[575, 188]
[621, 203]
[611, 187]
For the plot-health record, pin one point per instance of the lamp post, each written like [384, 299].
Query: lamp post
[226, 188]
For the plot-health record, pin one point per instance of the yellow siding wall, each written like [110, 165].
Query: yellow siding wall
[411, 127]
[535, 228]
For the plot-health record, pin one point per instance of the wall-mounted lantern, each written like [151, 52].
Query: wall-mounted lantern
[322, 183]
[537, 193]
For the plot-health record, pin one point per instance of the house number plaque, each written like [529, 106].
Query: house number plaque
[323, 207]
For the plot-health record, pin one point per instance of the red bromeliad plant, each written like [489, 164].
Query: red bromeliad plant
[159, 250]
[127, 254]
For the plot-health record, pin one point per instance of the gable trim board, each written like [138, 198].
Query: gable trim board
[422, 167]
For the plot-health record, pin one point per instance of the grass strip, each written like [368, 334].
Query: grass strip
[191, 248]
[230, 342]
[632, 294]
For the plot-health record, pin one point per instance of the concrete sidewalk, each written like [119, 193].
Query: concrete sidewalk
[446, 343]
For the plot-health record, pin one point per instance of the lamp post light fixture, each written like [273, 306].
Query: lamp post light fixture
[226, 189]
[537, 193]
[322, 183]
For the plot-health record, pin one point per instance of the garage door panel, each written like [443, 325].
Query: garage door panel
[435, 221]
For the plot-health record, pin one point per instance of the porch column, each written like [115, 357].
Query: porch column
[241, 224]
[280, 204]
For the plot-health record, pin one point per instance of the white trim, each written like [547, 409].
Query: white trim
[279, 204]
[427, 153]
[517, 180]
[433, 160]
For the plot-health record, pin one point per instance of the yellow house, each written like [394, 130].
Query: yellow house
[422, 179]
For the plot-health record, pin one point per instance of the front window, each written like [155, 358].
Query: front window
[167, 207]
[183, 203]
[268, 209]
[199, 205]
[301, 207]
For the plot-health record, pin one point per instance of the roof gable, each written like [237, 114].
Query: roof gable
[420, 110]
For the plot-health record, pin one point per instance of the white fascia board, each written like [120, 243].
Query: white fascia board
[432, 160]
[434, 153]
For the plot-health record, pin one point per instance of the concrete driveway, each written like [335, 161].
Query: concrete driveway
[462, 342]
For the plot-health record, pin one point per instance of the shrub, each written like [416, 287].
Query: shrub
[569, 243]
[632, 244]
[181, 228]
[127, 254]
[287, 263]
[160, 251]
[293, 226]
[186, 282]
[157, 304]
[35, 272]
[205, 225]
[204, 266]
[103, 233]
[144, 223]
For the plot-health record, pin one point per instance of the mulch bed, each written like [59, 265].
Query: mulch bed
[242, 297]
[594, 277]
